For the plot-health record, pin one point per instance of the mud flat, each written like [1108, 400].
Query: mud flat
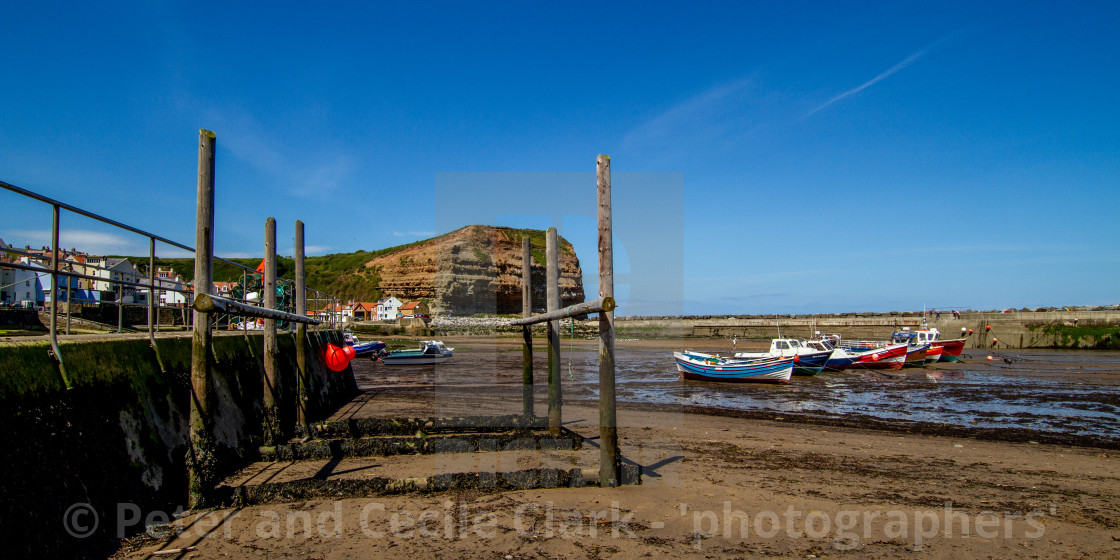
[718, 481]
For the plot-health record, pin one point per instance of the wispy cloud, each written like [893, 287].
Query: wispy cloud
[704, 116]
[309, 250]
[414, 234]
[301, 170]
[882, 76]
[94, 242]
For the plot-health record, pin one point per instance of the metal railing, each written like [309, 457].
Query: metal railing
[153, 288]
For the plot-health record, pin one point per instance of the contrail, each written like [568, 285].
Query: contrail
[910, 59]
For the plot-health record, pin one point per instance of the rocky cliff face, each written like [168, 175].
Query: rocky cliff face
[476, 269]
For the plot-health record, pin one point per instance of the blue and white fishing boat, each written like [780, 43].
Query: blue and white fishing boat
[430, 352]
[840, 359]
[709, 367]
[374, 348]
[806, 361]
[362, 349]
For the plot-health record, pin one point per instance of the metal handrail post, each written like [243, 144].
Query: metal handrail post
[54, 298]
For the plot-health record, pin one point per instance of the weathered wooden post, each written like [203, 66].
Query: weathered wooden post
[271, 416]
[203, 463]
[553, 297]
[527, 330]
[609, 457]
[301, 336]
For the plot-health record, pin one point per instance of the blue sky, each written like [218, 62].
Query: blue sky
[812, 157]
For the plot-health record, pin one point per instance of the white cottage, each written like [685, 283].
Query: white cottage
[386, 309]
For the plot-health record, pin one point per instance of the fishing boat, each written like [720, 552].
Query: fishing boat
[430, 352]
[878, 355]
[917, 350]
[362, 349]
[806, 361]
[840, 359]
[709, 367]
[950, 349]
[933, 354]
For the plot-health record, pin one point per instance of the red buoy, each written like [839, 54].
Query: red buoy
[349, 352]
[987, 327]
[336, 358]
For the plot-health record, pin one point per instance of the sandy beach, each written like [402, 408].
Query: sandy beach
[713, 486]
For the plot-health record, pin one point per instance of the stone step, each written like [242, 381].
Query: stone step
[395, 474]
[374, 446]
[359, 427]
[313, 488]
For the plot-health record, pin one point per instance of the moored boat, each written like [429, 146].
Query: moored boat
[806, 361]
[883, 357]
[916, 355]
[362, 349]
[840, 359]
[430, 352]
[933, 354]
[708, 367]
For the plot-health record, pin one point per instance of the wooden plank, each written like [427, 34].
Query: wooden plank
[585, 308]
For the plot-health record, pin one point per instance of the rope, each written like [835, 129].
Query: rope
[571, 348]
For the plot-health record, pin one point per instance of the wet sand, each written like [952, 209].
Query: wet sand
[746, 483]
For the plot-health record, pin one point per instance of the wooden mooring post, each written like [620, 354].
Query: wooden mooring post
[271, 416]
[202, 461]
[610, 459]
[527, 330]
[552, 285]
[609, 456]
[301, 336]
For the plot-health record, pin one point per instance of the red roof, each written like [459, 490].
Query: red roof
[411, 305]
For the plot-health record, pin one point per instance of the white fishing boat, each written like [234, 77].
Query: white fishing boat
[430, 352]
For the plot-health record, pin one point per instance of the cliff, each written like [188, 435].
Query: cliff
[475, 269]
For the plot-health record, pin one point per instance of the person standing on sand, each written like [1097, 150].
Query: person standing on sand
[734, 342]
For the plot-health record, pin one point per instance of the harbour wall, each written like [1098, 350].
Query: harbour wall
[117, 442]
[1042, 329]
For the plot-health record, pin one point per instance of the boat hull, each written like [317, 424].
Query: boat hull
[840, 363]
[761, 371]
[891, 357]
[368, 348]
[933, 354]
[951, 349]
[810, 364]
[916, 355]
[413, 359]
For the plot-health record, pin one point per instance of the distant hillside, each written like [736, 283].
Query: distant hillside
[475, 269]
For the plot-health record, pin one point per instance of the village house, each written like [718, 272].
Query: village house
[167, 281]
[24, 287]
[417, 309]
[364, 310]
[386, 309]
